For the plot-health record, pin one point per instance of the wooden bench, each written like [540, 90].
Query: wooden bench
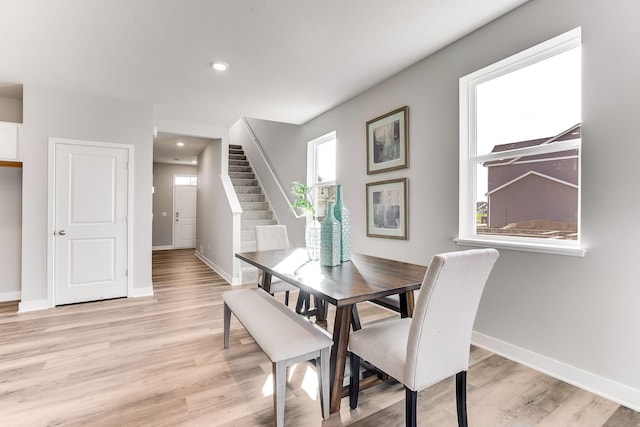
[284, 336]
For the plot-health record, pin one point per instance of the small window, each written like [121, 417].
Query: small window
[185, 180]
[321, 170]
[520, 141]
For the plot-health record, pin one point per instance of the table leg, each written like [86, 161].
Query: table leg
[406, 304]
[341, 329]
[266, 282]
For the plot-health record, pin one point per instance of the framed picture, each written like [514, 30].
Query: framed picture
[388, 141]
[387, 209]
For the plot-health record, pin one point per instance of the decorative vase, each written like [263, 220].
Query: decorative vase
[343, 215]
[330, 239]
[312, 238]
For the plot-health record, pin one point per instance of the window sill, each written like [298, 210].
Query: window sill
[569, 250]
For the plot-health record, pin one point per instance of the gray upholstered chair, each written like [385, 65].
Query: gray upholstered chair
[435, 343]
[269, 238]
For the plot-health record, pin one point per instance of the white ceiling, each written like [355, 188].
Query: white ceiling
[290, 60]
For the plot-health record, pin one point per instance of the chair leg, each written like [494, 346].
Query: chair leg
[286, 297]
[300, 302]
[411, 403]
[461, 398]
[322, 367]
[227, 324]
[354, 380]
[279, 370]
[355, 318]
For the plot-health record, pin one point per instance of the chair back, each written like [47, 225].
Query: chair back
[440, 333]
[271, 237]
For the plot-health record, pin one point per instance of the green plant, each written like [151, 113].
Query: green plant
[303, 200]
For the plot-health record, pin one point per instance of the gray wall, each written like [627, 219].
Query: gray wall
[10, 213]
[281, 143]
[579, 316]
[10, 232]
[214, 234]
[163, 200]
[54, 113]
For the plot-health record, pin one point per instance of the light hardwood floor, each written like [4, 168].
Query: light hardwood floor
[159, 361]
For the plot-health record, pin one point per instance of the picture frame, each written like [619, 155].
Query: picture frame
[388, 141]
[387, 209]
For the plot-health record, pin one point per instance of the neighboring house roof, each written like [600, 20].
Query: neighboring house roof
[574, 132]
[521, 177]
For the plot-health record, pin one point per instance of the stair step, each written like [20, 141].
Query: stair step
[249, 246]
[248, 235]
[239, 163]
[246, 189]
[257, 215]
[236, 153]
[254, 206]
[237, 157]
[234, 168]
[251, 224]
[242, 175]
[235, 147]
[239, 182]
[250, 198]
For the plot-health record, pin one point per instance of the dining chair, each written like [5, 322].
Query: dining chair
[269, 238]
[435, 343]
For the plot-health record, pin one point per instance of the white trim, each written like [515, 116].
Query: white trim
[527, 244]
[541, 175]
[162, 248]
[51, 209]
[593, 383]
[10, 296]
[543, 159]
[27, 306]
[141, 292]
[217, 269]
[556, 147]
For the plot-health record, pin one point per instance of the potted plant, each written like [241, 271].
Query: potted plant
[304, 203]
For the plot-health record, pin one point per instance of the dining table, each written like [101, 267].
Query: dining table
[363, 278]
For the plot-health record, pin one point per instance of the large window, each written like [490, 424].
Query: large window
[520, 140]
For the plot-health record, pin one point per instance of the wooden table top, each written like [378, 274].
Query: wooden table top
[361, 279]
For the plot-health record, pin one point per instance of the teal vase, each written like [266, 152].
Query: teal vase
[343, 215]
[330, 239]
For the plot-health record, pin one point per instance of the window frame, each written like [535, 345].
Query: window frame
[468, 160]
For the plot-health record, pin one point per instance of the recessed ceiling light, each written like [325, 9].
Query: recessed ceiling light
[180, 144]
[195, 162]
[219, 66]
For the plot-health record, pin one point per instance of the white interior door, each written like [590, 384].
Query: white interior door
[90, 219]
[184, 219]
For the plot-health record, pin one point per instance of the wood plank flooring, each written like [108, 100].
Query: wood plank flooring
[159, 361]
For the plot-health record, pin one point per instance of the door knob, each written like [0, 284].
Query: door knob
[62, 232]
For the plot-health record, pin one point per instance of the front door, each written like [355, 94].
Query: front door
[90, 219]
[184, 224]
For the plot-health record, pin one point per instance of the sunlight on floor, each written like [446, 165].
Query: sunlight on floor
[309, 382]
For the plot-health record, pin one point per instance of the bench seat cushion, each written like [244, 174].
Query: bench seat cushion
[279, 331]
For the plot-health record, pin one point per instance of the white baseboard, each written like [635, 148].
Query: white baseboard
[141, 292]
[10, 296]
[612, 390]
[216, 268]
[162, 248]
[26, 306]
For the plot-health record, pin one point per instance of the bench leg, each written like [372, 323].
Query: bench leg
[279, 389]
[322, 367]
[227, 324]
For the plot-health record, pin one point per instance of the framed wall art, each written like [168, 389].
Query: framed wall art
[388, 141]
[387, 208]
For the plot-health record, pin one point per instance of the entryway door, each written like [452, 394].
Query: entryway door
[184, 208]
[90, 222]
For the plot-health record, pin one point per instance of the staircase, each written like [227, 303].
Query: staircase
[255, 208]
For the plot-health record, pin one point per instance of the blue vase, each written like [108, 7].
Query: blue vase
[330, 239]
[343, 215]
